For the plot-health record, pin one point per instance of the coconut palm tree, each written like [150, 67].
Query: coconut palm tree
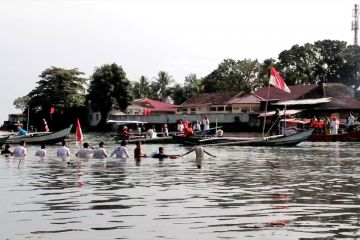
[163, 81]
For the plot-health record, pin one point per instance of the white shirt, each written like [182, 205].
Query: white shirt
[180, 127]
[334, 127]
[199, 152]
[350, 120]
[100, 153]
[121, 152]
[40, 153]
[206, 123]
[63, 152]
[20, 151]
[85, 153]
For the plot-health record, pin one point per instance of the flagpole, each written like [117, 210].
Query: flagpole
[28, 116]
[266, 105]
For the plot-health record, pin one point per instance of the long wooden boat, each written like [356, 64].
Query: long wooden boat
[353, 136]
[278, 140]
[39, 138]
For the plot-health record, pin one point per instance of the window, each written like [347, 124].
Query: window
[220, 109]
[193, 110]
[212, 109]
[228, 109]
[235, 108]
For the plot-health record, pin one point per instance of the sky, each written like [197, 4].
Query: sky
[145, 37]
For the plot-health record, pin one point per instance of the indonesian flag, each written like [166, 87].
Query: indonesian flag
[79, 135]
[277, 81]
[45, 125]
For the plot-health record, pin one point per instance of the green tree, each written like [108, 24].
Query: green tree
[298, 64]
[59, 87]
[192, 86]
[351, 68]
[178, 94]
[109, 88]
[163, 81]
[232, 75]
[140, 89]
[22, 103]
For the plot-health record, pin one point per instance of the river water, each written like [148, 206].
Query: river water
[310, 191]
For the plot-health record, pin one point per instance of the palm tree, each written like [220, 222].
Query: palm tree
[141, 88]
[163, 81]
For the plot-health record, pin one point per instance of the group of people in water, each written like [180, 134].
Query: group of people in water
[121, 152]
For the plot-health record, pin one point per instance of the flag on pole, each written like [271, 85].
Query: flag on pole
[52, 110]
[79, 135]
[46, 127]
[277, 81]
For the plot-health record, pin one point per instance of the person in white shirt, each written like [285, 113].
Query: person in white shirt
[206, 123]
[334, 126]
[196, 126]
[180, 126]
[350, 122]
[63, 152]
[20, 151]
[41, 152]
[121, 152]
[86, 152]
[100, 153]
[165, 130]
[199, 153]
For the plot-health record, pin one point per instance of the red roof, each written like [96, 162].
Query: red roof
[155, 105]
[296, 92]
[219, 98]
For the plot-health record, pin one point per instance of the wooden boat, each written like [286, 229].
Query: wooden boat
[40, 137]
[278, 140]
[353, 136]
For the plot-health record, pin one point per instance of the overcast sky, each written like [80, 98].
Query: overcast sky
[145, 37]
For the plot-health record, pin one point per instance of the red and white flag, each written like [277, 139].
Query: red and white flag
[46, 127]
[79, 135]
[277, 81]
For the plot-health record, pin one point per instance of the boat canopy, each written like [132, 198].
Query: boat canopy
[303, 102]
[122, 122]
[281, 112]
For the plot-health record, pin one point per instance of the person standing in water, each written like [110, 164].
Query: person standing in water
[100, 152]
[199, 154]
[41, 152]
[121, 152]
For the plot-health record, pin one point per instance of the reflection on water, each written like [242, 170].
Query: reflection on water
[306, 192]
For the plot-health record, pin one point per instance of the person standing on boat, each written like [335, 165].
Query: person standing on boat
[196, 126]
[334, 126]
[41, 152]
[350, 122]
[100, 152]
[206, 123]
[199, 154]
[20, 151]
[165, 130]
[63, 152]
[121, 152]
[87, 151]
[327, 126]
[275, 122]
[180, 127]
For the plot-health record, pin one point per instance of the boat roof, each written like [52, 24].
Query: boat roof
[122, 122]
[281, 112]
[303, 102]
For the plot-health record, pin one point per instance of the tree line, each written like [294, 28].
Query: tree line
[71, 94]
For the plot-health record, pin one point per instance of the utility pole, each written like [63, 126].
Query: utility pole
[355, 23]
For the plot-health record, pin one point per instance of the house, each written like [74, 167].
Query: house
[150, 107]
[204, 103]
[245, 103]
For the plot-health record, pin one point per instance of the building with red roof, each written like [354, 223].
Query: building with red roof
[150, 107]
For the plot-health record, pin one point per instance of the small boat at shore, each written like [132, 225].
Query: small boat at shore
[40, 137]
[277, 140]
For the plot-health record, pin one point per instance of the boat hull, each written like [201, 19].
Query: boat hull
[47, 138]
[3, 140]
[342, 137]
[279, 140]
